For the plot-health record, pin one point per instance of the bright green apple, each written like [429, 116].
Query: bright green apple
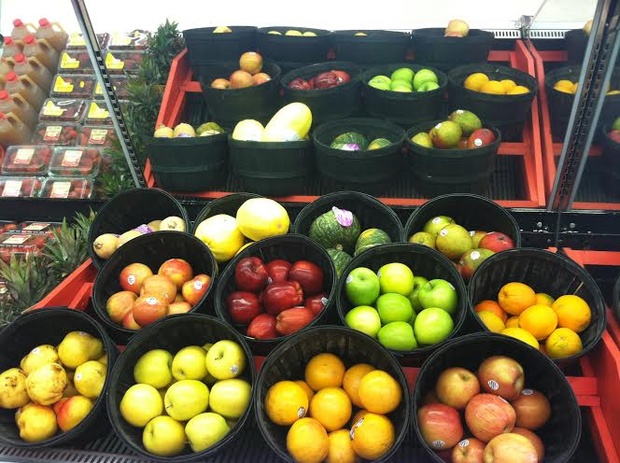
[205, 430]
[225, 359]
[186, 398]
[413, 296]
[164, 436]
[434, 225]
[422, 76]
[439, 293]
[362, 286]
[189, 363]
[364, 318]
[395, 277]
[398, 86]
[428, 86]
[422, 139]
[397, 336]
[381, 78]
[140, 404]
[230, 397]
[401, 83]
[393, 307]
[432, 325]
[379, 84]
[154, 368]
[403, 74]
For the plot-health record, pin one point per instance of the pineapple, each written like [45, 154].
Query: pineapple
[68, 248]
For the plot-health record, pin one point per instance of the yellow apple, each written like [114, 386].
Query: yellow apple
[205, 430]
[153, 368]
[225, 359]
[230, 397]
[36, 422]
[72, 411]
[189, 363]
[140, 404]
[164, 436]
[185, 399]
[89, 378]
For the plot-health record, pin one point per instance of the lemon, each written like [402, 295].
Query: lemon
[260, 218]
[221, 235]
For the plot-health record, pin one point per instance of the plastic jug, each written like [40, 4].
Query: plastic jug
[13, 131]
[27, 88]
[41, 50]
[18, 105]
[6, 66]
[11, 47]
[34, 69]
[22, 29]
[53, 33]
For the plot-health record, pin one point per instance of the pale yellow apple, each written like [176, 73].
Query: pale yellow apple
[47, 384]
[230, 397]
[225, 359]
[153, 368]
[140, 404]
[36, 422]
[72, 411]
[309, 34]
[293, 32]
[221, 29]
[78, 347]
[89, 378]
[13, 392]
[40, 355]
[185, 399]
[205, 430]
[189, 363]
[164, 436]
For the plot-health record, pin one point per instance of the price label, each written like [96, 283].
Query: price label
[60, 190]
[114, 63]
[16, 239]
[97, 112]
[52, 133]
[97, 136]
[71, 158]
[68, 62]
[23, 156]
[12, 188]
[52, 110]
[36, 226]
[62, 86]
[76, 40]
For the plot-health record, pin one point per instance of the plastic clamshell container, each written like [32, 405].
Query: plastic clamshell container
[76, 41]
[8, 226]
[97, 136]
[67, 188]
[122, 61]
[63, 110]
[55, 133]
[97, 114]
[26, 160]
[45, 228]
[136, 39]
[73, 86]
[75, 61]
[20, 243]
[120, 87]
[19, 187]
[75, 161]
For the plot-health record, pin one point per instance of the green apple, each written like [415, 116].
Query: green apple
[413, 296]
[364, 318]
[205, 430]
[422, 76]
[379, 84]
[164, 436]
[189, 363]
[423, 238]
[393, 307]
[432, 325]
[397, 336]
[186, 398]
[395, 277]
[403, 74]
[225, 359]
[439, 293]
[422, 139]
[154, 368]
[428, 86]
[362, 286]
[230, 397]
[381, 78]
[398, 86]
[140, 404]
[476, 236]
[453, 241]
[434, 225]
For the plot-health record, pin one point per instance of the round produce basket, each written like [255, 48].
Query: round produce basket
[287, 362]
[372, 48]
[49, 326]
[173, 334]
[576, 42]
[225, 205]
[611, 161]
[616, 299]
[280, 47]
[561, 433]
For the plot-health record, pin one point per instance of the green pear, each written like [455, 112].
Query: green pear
[78, 347]
[397, 336]
[434, 225]
[154, 368]
[40, 355]
[468, 121]
[422, 139]
[423, 238]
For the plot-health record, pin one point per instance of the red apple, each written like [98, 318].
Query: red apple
[480, 138]
[488, 415]
[251, 62]
[251, 274]
[456, 386]
[291, 320]
[149, 308]
[614, 135]
[476, 236]
[194, 289]
[496, 242]
[263, 327]
[179, 308]
[159, 284]
[243, 306]
[278, 270]
[343, 76]
[510, 448]
[316, 303]
[468, 451]
[308, 275]
[300, 84]
[532, 408]
[58, 405]
[326, 80]
[534, 439]
[119, 304]
[133, 275]
[220, 83]
[178, 270]
[72, 411]
[471, 260]
[502, 376]
[462, 144]
[240, 79]
[129, 323]
[440, 426]
[281, 296]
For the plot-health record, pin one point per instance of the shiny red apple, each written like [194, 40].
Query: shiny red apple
[316, 303]
[263, 327]
[251, 274]
[281, 296]
[440, 425]
[308, 275]
[501, 375]
[488, 415]
[278, 270]
[243, 306]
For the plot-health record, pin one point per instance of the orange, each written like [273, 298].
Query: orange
[515, 297]
[518, 90]
[513, 322]
[307, 441]
[573, 312]
[521, 335]
[563, 342]
[564, 85]
[379, 392]
[539, 320]
[508, 84]
[491, 321]
[372, 436]
[475, 81]
[351, 381]
[544, 299]
[285, 403]
[340, 448]
[331, 407]
[309, 392]
[494, 87]
[324, 370]
[491, 306]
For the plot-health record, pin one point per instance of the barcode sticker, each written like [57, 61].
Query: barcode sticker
[52, 133]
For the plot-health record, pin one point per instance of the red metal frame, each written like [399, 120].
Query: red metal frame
[74, 291]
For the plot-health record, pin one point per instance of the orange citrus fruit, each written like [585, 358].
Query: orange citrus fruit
[331, 407]
[475, 81]
[513, 322]
[521, 335]
[540, 320]
[285, 403]
[515, 297]
[508, 84]
[340, 448]
[518, 90]
[352, 378]
[307, 441]
[324, 370]
[544, 299]
[372, 436]
[494, 87]
[491, 321]
[563, 342]
[564, 85]
[379, 392]
[573, 312]
[309, 392]
[491, 306]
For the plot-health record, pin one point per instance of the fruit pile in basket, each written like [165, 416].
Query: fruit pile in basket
[406, 80]
[184, 130]
[55, 387]
[480, 82]
[335, 413]
[248, 74]
[194, 396]
[493, 406]
[323, 80]
[551, 325]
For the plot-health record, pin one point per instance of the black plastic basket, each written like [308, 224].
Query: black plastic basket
[225, 205]
[130, 209]
[364, 170]
[229, 106]
[576, 42]
[289, 48]
[153, 250]
[615, 308]
[49, 326]
[288, 361]
[370, 212]
[432, 48]
[403, 108]
[545, 272]
[291, 247]
[173, 334]
[189, 164]
[272, 168]
[374, 48]
[560, 435]
[327, 104]
[422, 261]
[444, 171]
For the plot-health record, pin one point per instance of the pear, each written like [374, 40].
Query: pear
[154, 224]
[89, 379]
[127, 236]
[36, 422]
[71, 390]
[13, 393]
[105, 245]
[40, 355]
[47, 384]
[79, 347]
